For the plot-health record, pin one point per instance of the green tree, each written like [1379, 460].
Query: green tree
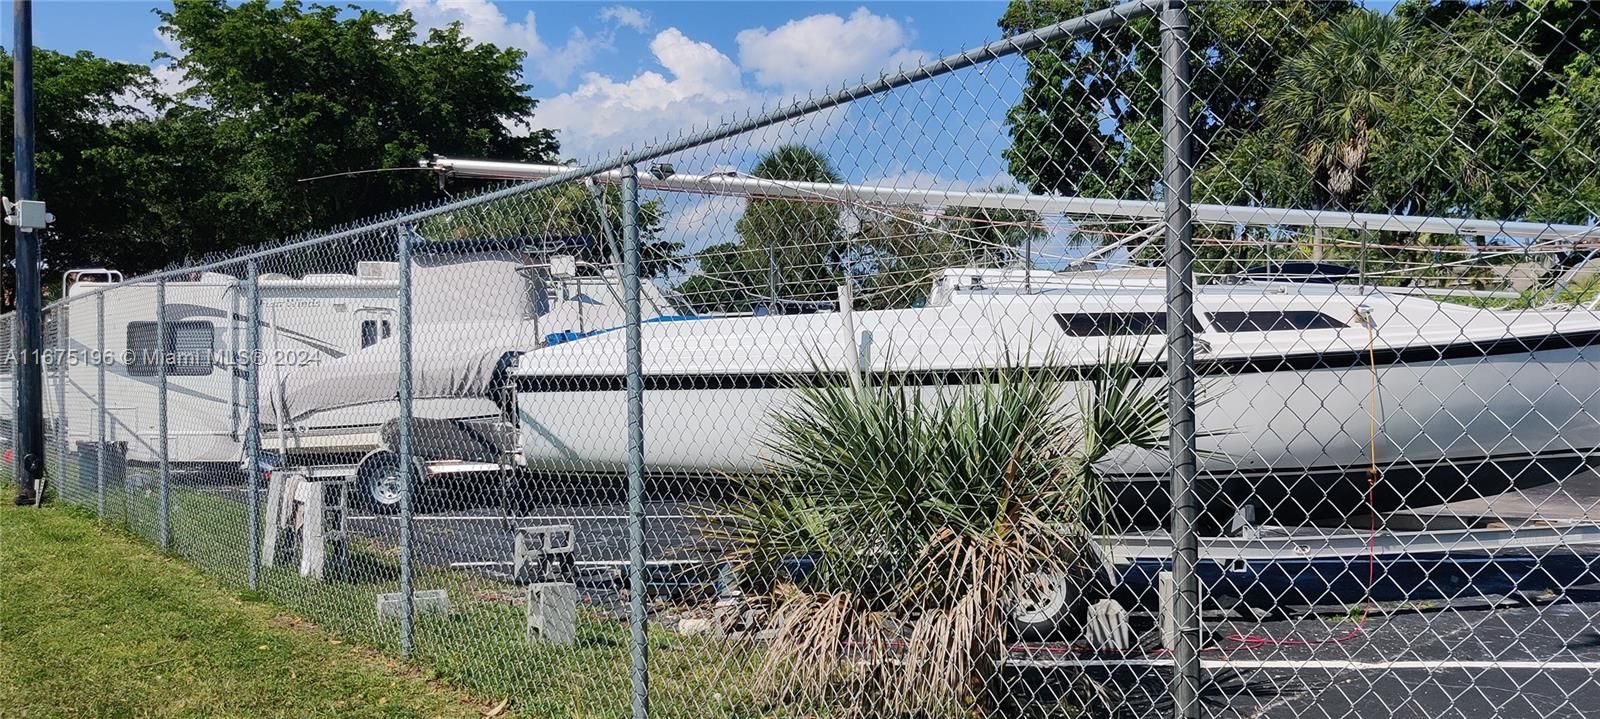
[572, 211]
[1460, 109]
[729, 277]
[803, 241]
[284, 92]
[1338, 96]
[897, 252]
[1088, 120]
[990, 237]
[896, 255]
[89, 124]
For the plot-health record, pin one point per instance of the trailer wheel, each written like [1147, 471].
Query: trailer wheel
[378, 483]
[1051, 606]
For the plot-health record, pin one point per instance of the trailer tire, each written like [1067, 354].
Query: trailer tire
[378, 483]
[1052, 606]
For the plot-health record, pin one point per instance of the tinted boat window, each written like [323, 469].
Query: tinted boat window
[1273, 321]
[1106, 324]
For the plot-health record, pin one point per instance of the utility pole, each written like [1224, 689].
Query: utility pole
[28, 215]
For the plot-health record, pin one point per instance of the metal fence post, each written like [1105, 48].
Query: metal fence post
[164, 511]
[1180, 357]
[61, 396]
[29, 448]
[403, 322]
[635, 361]
[100, 437]
[15, 362]
[252, 410]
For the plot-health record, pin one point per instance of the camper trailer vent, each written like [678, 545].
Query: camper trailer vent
[378, 270]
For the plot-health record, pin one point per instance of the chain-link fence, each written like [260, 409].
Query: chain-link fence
[1230, 359]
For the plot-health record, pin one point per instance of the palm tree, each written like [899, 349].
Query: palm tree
[921, 519]
[1335, 97]
[801, 240]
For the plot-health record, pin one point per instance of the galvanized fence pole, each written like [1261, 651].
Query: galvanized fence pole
[164, 510]
[101, 441]
[407, 480]
[1180, 358]
[15, 361]
[61, 364]
[252, 411]
[635, 362]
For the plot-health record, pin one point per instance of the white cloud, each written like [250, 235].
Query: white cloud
[701, 221]
[700, 84]
[820, 50]
[169, 80]
[626, 17]
[483, 21]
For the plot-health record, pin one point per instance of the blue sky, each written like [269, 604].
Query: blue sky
[586, 57]
[610, 75]
[125, 29]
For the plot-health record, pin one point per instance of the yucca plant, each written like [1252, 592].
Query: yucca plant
[919, 512]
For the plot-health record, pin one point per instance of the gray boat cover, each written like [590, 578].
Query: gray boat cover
[466, 317]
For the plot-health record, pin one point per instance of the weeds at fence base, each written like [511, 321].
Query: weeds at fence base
[479, 646]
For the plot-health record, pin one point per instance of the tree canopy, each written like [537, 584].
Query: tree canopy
[273, 95]
[793, 249]
[88, 144]
[1431, 108]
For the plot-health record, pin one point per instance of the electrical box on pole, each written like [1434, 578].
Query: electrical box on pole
[27, 215]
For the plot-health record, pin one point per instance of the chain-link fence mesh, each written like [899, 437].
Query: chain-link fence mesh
[883, 405]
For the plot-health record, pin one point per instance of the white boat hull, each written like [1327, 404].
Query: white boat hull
[1295, 433]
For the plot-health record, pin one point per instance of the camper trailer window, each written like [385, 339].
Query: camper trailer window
[190, 345]
[1273, 321]
[373, 330]
[1106, 324]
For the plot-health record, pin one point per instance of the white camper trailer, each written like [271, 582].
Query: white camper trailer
[328, 353]
[305, 321]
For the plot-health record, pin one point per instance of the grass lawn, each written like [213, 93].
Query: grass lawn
[83, 572]
[95, 623]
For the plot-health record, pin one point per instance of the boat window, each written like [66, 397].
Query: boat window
[1106, 324]
[190, 345]
[1273, 321]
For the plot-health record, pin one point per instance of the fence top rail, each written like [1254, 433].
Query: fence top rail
[1023, 42]
[739, 184]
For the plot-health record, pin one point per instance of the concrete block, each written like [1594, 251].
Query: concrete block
[553, 612]
[1167, 602]
[274, 521]
[422, 600]
[543, 554]
[692, 626]
[1108, 626]
[312, 547]
[1166, 599]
